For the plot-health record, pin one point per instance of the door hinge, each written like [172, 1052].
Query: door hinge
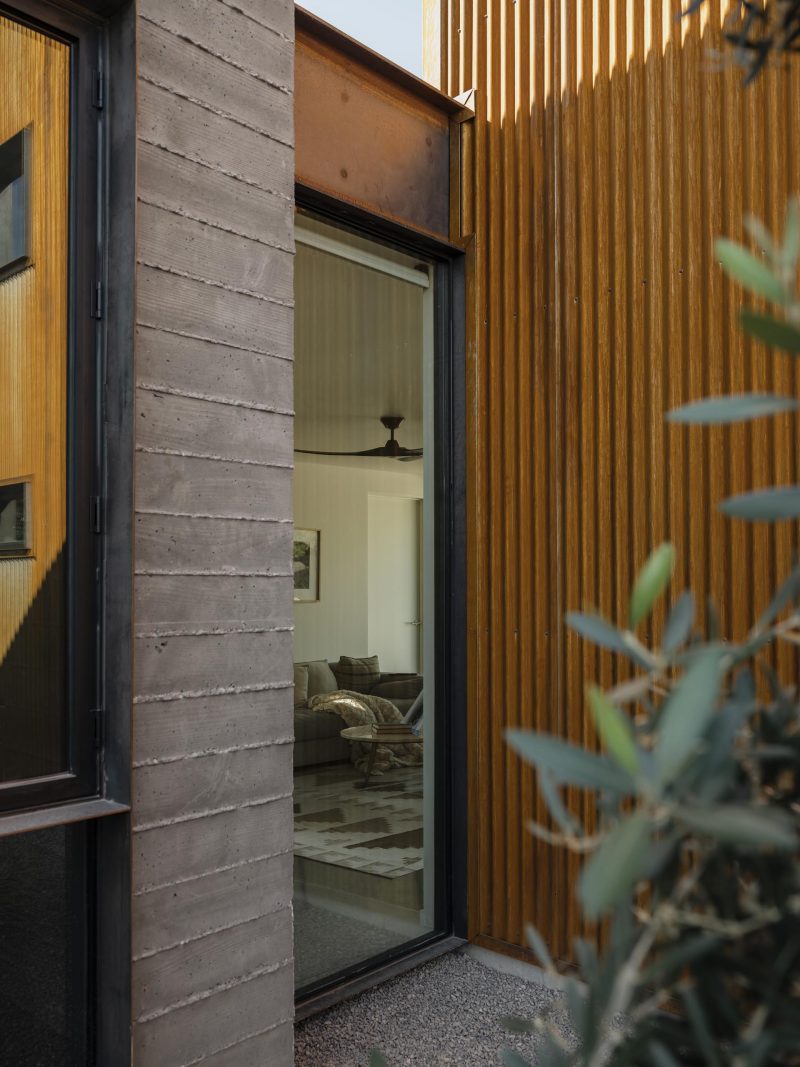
[97, 514]
[99, 99]
[97, 301]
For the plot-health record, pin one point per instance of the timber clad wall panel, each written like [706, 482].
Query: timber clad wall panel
[212, 779]
[606, 155]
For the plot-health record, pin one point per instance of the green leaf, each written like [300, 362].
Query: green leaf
[679, 624]
[616, 866]
[771, 331]
[788, 593]
[760, 234]
[555, 805]
[569, 764]
[596, 629]
[764, 505]
[377, 1059]
[721, 410]
[738, 824]
[578, 1006]
[687, 714]
[588, 963]
[651, 582]
[539, 947]
[749, 271]
[615, 730]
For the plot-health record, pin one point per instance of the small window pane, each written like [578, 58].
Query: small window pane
[14, 524]
[43, 1004]
[13, 204]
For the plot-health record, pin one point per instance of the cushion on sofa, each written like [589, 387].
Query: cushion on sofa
[300, 684]
[320, 678]
[357, 675]
[394, 687]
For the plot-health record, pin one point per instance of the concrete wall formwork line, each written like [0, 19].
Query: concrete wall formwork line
[212, 715]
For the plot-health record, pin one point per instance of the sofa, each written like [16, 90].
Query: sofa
[317, 737]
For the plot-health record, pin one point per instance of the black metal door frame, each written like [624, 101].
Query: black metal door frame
[451, 615]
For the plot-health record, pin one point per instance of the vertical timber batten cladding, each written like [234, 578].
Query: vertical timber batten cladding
[608, 152]
[212, 716]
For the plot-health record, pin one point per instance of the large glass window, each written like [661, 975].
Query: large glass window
[47, 449]
[365, 797]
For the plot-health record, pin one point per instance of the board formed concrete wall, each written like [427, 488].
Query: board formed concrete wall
[212, 716]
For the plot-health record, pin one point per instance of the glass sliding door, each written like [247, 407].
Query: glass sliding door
[365, 844]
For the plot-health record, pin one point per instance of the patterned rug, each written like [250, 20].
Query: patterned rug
[377, 830]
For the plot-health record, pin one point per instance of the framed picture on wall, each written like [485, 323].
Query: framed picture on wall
[306, 565]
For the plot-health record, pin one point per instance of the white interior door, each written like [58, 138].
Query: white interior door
[393, 565]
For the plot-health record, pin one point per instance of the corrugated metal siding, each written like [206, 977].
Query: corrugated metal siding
[606, 155]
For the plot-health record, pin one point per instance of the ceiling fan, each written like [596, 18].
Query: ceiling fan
[391, 450]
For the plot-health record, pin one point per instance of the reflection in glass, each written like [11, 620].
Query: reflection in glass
[34, 234]
[42, 949]
[364, 712]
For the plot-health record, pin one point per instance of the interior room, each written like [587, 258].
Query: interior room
[363, 569]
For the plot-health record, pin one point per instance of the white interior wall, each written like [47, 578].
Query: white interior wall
[334, 499]
[393, 568]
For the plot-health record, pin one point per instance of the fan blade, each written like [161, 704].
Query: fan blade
[369, 452]
[410, 459]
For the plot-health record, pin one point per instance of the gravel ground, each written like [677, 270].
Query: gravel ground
[446, 1012]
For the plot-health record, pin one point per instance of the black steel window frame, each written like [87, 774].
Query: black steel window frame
[80, 776]
[102, 35]
[450, 928]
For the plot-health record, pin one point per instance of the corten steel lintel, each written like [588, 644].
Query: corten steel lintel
[369, 133]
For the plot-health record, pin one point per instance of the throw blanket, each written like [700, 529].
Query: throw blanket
[362, 709]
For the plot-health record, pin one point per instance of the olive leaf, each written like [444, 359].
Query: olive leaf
[687, 713]
[771, 331]
[721, 410]
[764, 505]
[569, 764]
[651, 582]
[616, 866]
[615, 730]
[679, 624]
[749, 271]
